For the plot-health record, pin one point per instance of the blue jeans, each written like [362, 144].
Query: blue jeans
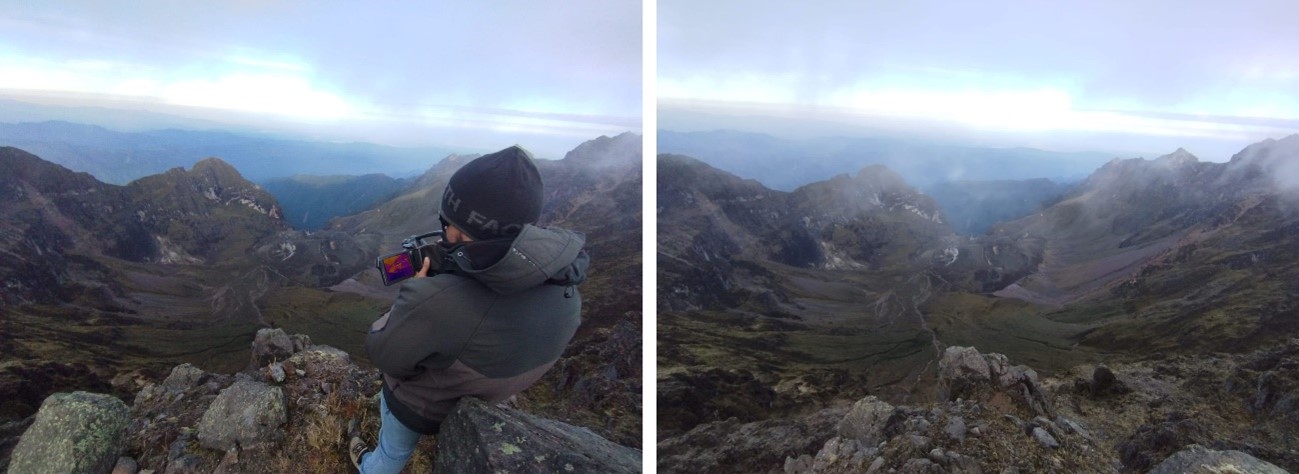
[396, 444]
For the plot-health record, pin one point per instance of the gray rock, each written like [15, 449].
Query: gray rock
[876, 466]
[920, 465]
[126, 465]
[329, 351]
[866, 420]
[300, 342]
[277, 372]
[184, 377]
[187, 464]
[917, 425]
[958, 464]
[1074, 427]
[1044, 438]
[799, 465]
[732, 446]
[843, 455]
[920, 442]
[271, 345]
[961, 370]
[955, 428]
[73, 432]
[1196, 459]
[248, 413]
[480, 438]
[937, 455]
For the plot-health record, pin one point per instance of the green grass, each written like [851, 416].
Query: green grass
[331, 318]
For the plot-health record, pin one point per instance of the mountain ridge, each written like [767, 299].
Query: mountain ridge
[1167, 257]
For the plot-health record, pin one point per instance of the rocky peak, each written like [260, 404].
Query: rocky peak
[873, 189]
[18, 166]
[1177, 158]
[622, 149]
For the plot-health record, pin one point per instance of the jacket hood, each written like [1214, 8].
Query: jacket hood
[536, 256]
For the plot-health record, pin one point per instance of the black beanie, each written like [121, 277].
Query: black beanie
[494, 195]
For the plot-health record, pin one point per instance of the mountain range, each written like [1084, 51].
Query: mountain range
[120, 157]
[107, 285]
[785, 164]
[775, 304]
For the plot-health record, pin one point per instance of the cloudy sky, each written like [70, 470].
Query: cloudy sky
[546, 75]
[1127, 77]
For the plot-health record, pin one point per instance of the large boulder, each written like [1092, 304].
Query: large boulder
[1196, 459]
[866, 421]
[481, 438]
[271, 345]
[964, 373]
[247, 413]
[73, 432]
[961, 370]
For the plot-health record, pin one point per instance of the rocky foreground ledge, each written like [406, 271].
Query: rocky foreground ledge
[1182, 414]
[288, 412]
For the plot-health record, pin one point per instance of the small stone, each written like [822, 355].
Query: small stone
[875, 466]
[917, 424]
[1047, 424]
[300, 372]
[277, 372]
[920, 442]
[936, 455]
[1102, 380]
[1071, 426]
[126, 465]
[976, 431]
[183, 377]
[228, 463]
[1044, 438]
[955, 428]
[798, 465]
[186, 464]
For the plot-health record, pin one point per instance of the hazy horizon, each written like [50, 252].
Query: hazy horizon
[397, 74]
[1128, 79]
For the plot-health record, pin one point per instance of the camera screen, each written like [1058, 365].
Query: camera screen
[397, 267]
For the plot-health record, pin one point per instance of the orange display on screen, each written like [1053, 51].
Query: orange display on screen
[398, 267]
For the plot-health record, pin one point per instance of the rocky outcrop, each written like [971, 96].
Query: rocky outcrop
[272, 345]
[963, 372]
[1224, 402]
[73, 432]
[991, 417]
[1195, 459]
[761, 446]
[481, 438]
[289, 414]
[244, 415]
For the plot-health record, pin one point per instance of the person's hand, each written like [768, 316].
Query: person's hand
[423, 272]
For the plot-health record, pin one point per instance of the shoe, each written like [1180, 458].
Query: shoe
[355, 450]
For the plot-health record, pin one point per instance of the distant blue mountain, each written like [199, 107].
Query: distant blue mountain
[786, 164]
[120, 157]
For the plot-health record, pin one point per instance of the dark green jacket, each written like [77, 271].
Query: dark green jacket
[489, 331]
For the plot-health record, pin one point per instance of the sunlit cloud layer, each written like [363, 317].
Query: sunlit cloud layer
[1159, 69]
[429, 70]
